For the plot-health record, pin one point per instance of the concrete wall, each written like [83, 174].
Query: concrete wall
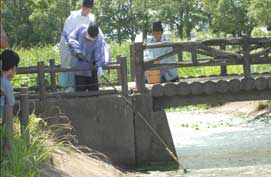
[149, 150]
[107, 124]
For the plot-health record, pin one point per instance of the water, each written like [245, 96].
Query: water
[217, 144]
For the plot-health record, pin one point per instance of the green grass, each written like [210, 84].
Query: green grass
[28, 159]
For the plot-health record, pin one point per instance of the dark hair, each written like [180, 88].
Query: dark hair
[157, 26]
[88, 3]
[9, 59]
[93, 30]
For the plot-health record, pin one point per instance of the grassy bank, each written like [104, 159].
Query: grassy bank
[29, 159]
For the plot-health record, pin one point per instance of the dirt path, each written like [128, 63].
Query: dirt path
[218, 143]
[79, 165]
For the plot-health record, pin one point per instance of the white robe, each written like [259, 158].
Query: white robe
[72, 22]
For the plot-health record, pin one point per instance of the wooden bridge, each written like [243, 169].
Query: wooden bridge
[120, 134]
[224, 87]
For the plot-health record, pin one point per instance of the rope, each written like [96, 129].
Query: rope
[148, 125]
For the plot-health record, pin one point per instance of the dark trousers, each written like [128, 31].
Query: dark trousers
[84, 83]
[173, 80]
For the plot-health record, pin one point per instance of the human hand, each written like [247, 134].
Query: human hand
[100, 71]
[80, 56]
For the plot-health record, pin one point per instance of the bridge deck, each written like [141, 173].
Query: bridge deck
[211, 90]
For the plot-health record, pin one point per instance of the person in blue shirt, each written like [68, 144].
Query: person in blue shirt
[170, 75]
[87, 48]
[10, 61]
[76, 18]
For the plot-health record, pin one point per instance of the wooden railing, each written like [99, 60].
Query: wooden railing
[214, 52]
[43, 93]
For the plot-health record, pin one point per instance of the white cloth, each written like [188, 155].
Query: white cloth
[72, 22]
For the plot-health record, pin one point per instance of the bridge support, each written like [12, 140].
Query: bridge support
[107, 124]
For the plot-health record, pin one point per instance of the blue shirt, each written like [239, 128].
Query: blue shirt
[92, 50]
[8, 97]
[169, 74]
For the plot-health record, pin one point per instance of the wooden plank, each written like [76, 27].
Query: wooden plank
[139, 67]
[31, 70]
[119, 71]
[209, 87]
[124, 76]
[222, 86]
[166, 102]
[196, 88]
[269, 82]
[246, 53]
[261, 83]
[264, 40]
[234, 85]
[157, 90]
[53, 75]
[183, 88]
[218, 42]
[207, 62]
[219, 53]
[223, 68]
[161, 57]
[247, 84]
[194, 56]
[41, 80]
[170, 89]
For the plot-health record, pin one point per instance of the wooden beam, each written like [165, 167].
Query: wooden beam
[139, 67]
[174, 52]
[166, 102]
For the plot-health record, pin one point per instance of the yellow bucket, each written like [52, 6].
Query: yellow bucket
[153, 76]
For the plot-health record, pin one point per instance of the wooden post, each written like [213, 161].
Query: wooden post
[53, 75]
[266, 55]
[124, 76]
[194, 56]
[180, 54]
[246, 53]
[24, 117]
[8, 127]
[139, 67]
[119, 70]
[41, 79]
[132, 62]
[223, 68]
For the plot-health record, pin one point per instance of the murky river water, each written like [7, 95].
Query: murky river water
[216, 144]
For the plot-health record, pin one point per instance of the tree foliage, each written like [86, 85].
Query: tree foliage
[32, 22]
[260, 11]
[229, 16]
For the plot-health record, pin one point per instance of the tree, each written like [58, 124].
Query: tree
[122, 19]
[229, 16]
[260, 11]
[182, 15]
[31, 22]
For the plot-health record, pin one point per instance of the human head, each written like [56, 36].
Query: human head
[10, 62]
[93, 31]
[87, 5]
[157, 30]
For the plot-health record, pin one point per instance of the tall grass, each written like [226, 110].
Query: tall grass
[28, 159]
